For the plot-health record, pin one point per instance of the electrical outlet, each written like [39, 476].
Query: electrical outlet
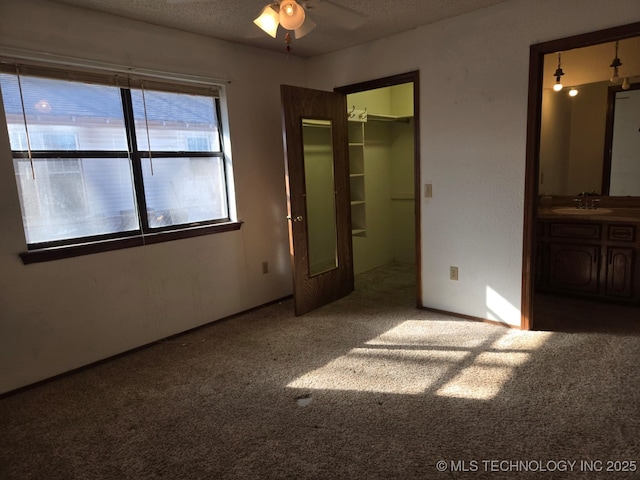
[428, 190]
[453, 273]
[265, 267]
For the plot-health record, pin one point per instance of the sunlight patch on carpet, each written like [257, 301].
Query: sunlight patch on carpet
[420, 332]
[521, 340]
[381, 370]
[477, 383]
[485, 378]
[456, 359]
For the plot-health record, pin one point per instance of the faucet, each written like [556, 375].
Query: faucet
[583, 200]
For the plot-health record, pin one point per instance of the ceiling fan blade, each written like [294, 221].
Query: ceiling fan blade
[305, 28]
[334, 14]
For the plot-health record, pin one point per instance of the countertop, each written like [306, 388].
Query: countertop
[596, 214]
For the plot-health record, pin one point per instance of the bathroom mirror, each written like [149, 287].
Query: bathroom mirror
[322, 234]
[621, 175]
[577, 133]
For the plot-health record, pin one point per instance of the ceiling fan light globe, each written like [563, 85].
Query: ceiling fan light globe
[291, 15]
[268, 20]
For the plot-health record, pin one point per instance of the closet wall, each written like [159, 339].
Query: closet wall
[388, 166]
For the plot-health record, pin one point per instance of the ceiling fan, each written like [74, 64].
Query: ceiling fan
[286, 13]
[326, 11]
[291, 15]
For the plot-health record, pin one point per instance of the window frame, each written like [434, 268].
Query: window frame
[144, 234]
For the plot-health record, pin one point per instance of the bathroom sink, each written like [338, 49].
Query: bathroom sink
[582, 211]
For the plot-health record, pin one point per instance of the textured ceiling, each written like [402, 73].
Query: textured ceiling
[340, 23]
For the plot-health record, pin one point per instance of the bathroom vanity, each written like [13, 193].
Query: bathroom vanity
[589, 252]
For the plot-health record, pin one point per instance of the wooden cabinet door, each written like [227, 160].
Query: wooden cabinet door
[574, 267]
[619, 278]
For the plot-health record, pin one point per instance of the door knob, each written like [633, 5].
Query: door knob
[297, 218]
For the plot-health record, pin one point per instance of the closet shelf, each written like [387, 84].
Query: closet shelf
[357, 175]
[388, 118]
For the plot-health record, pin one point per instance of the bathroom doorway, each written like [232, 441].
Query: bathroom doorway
[574, 310]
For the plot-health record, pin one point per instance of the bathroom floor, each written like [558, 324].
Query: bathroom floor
[567, 314]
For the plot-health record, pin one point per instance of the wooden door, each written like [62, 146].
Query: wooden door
[318, 205]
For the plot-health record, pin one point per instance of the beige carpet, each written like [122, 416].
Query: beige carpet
[366, 388]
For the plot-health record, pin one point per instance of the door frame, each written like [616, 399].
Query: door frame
[414, 78]
[532, 166]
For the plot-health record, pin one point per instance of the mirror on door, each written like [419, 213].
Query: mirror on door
[317, 139]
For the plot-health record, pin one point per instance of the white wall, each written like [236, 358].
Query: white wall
[63, 314]
[473, 107]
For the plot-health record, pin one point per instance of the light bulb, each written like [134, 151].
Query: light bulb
[614, 77]
[291, 15]
[573, 92]
[625, 84]
[557, 87]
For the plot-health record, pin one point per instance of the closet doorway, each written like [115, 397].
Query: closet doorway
[384, 166]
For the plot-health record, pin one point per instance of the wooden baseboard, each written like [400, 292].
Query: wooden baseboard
[470, 317]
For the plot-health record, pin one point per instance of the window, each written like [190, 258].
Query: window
[96, 161]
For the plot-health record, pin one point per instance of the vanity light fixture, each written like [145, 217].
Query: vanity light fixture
[573, 92]
[615, 63]
[558, 73]
[286, 13]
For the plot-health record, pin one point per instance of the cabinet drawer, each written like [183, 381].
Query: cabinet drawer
[621, 233]
[592, 231]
